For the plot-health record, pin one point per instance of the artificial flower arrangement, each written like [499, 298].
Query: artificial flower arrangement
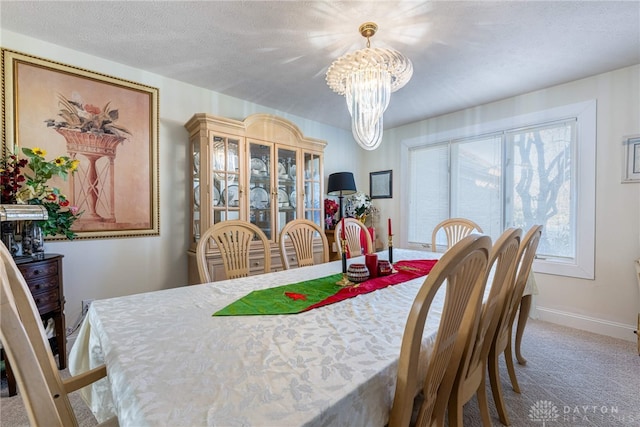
[359, 206]
[24, 181]
[330, 210]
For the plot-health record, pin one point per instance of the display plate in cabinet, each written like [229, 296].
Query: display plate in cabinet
[259, 198]
[292, 198]
[282, 170]
[283, 198]
[230, 195]
[258, 167]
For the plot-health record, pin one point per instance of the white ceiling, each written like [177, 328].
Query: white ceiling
[276, 53]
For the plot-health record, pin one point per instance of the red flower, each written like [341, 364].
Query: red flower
[295, 296]
[64, 203]
[91, 109]
[51, 197]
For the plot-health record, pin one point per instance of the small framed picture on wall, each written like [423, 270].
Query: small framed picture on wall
[631, 166]
[381, 184]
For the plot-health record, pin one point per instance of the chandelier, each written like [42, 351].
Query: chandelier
[366, 78]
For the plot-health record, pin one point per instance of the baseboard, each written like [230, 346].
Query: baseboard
[586, 323]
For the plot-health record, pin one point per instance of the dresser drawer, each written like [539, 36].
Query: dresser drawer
[47, 301]
[39, 269]
[43, 284]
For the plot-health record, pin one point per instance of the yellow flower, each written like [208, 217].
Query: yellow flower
[59, 161]
[39, 151]
[74, 165]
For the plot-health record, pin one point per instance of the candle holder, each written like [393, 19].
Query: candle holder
[345, 280]
[390, 244]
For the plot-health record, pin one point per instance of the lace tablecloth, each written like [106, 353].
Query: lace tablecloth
[170, 363]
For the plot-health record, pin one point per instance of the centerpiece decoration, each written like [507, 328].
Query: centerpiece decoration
[25, 181]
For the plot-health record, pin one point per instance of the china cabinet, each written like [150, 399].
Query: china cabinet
[262, 170]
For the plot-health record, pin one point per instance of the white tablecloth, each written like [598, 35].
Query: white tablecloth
[170, 363]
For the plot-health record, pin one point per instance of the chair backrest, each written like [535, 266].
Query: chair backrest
[353, 229]
[28, 351]
[455, 229]
[504, 256]
[301, 233]
[463, 269]
[524, 261]
[233, 238]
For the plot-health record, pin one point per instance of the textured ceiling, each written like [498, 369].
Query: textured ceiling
[276, 54]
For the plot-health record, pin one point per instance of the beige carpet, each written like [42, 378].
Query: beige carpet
[572, 378]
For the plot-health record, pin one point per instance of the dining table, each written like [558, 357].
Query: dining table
[170, 362]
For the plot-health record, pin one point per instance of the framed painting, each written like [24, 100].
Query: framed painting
[108, 125]
[381, 184]
[631, 166]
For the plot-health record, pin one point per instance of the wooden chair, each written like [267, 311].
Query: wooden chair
[455, 229]
[44, 392]
[233, 238]
[502, 339]
[463, 269]
[353, 229]
[471, 377]
[301, 234]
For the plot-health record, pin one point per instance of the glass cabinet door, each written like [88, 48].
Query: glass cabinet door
[286, 192]
[260, 188]
[313, 204]
[195, 196]
[225, 197]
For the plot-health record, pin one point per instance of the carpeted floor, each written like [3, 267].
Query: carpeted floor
[572, 378]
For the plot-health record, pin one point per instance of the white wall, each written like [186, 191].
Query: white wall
[610, 303]
[95, 269]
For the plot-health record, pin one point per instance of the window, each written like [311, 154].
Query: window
[534, 169]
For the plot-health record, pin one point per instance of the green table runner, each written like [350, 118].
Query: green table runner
[309, 294]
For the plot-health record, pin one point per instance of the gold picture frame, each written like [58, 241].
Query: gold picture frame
[116, 185]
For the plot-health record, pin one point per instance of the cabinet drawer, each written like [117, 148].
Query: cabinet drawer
[40, 269]
[44, 284]
[47, 301]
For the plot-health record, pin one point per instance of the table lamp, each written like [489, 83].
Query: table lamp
[341, 183]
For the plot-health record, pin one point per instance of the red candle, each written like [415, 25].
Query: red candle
[342, 229]
[390, 234]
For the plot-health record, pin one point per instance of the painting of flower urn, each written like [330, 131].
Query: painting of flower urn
[108, 125]
[91, 132]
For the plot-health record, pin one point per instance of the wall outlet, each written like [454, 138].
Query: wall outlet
[85, 305]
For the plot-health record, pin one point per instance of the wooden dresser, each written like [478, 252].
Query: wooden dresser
[44, 278]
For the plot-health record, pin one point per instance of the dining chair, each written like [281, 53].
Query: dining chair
[353, 229]
[300, 233]
[234, 240]
[472, 373]
[463, 269]
[455, 229]
[502, 338]
[44, 392]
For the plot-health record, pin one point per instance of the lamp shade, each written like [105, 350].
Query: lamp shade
[341, 183]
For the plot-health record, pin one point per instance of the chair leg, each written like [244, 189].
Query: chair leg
[455, 411]
[483, 402]
[508, 355]
[525, 307]
[496, 388]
